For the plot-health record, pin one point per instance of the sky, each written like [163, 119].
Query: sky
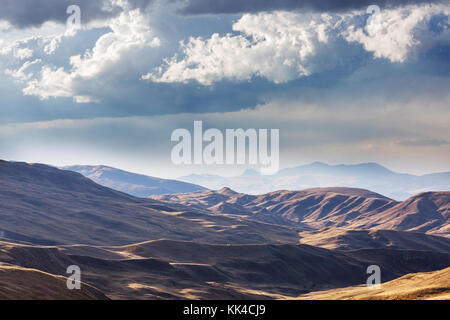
[344, 81]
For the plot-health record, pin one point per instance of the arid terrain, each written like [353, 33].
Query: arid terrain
[433, 285]
[308, 244]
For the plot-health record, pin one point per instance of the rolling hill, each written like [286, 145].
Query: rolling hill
[343, 239]
[319, 208]
[433, 285]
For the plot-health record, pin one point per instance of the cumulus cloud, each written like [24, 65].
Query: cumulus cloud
[22, 43]
[17, 50]
[279, 46]
[23, 73]
[275, 47]
[53, 83]
[129, 31]
[393, 34]
[282, 46]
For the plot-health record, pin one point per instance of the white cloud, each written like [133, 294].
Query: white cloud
[16, 50]
[21, 73]
[278, 46]
[53, 44]
[12, 37]
[52, 83]
[129, 32]
[282, 46]
[23, 53]
[393, 34]
[4, 25]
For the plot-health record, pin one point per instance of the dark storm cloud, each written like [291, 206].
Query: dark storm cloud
[192, 7]
[28, 13]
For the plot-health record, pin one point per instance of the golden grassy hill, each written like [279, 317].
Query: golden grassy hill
[433, 285]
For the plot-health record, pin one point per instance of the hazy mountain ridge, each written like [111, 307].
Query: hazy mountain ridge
[372, 176]
[132, 183]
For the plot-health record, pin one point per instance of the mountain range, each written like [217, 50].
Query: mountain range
[318, 208]
[372, 176]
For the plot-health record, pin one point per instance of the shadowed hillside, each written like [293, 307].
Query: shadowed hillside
[167, 269]
[45, 205]
[21, 284]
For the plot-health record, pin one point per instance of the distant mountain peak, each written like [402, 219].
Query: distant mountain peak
[250, 173]
[370, 165]
[365, 165]
[226, 191]
[318, 163]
